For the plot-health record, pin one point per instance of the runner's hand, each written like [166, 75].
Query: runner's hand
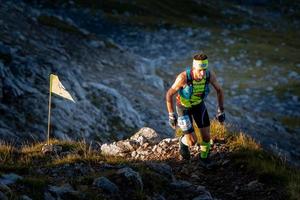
[220, 115]
[172, 120]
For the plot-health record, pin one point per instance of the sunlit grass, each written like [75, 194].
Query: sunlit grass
[243, 149]
[69, 159]
[269, 167]
[7, 152]
[243, 142]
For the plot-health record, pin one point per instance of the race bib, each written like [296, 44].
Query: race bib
[184, 123]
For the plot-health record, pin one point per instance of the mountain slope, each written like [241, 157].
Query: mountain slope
[146, 167]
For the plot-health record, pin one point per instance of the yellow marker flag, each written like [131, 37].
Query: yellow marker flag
[57, 88]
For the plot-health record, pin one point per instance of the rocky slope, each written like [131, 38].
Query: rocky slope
[108, 83]
[140, 167]
[118, 58]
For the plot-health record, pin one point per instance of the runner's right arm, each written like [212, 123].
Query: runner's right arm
[179, 82]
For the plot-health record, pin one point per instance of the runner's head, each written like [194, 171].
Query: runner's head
[200, 61]
[200, 64]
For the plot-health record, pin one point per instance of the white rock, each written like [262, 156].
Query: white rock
[258, 63]
[148, 134]
[269, 88]
[111, 149]
[159, 150]
[133, 154]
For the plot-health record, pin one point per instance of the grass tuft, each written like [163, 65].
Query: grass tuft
[7, 152]
[242, 142]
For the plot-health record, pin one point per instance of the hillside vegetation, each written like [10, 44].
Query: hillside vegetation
[239, 169]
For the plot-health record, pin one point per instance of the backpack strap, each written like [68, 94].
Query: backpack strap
[189, 80]
[207, 77]
[206, 87]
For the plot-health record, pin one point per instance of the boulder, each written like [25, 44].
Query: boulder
[3, 196]
[65, 191]
[162, 169]
[106, 185]
[132, 177]
[146, 134]
[111, 149]
[8, 179]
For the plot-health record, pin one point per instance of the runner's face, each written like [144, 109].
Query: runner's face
[199, 73]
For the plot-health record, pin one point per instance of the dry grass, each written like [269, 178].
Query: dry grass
[7, 152]
[243, 142]
[244, 150]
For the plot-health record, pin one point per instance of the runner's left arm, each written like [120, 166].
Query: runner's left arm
[219, 90]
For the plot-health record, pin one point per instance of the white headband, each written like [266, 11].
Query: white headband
[202, 64]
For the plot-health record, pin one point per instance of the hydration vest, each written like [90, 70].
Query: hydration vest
[195, 91]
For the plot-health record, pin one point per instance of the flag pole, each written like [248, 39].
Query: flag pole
[49, 111]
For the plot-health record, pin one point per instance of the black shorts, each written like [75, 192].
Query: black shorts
[186, 115]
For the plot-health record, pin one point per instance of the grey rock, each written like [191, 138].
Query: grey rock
[295, 98]
[181, 185]
[156, 81]
[127, 145]
[4, 188]
[2, 69]
[97, 44]
[126, 112]
[60, 190]
[206, 196]
[203, 194]
[132, 177]
[25, 197]
[5, 53]
[8, 179]
[269, 89]
[162, 169]
[3, 196]
[48, 196]
[254, 185]
[258, 63]
[293, 74]
[106, 185]
[158, 197]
